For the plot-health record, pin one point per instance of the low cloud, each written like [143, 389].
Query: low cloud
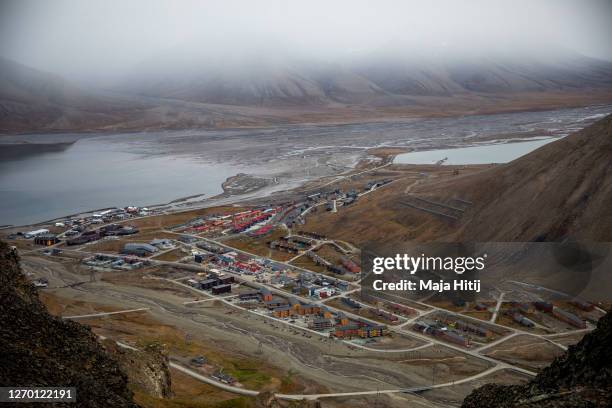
[105, 39]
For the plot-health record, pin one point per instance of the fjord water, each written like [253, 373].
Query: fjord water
[93, 173]
[99, 171]
[493, 153]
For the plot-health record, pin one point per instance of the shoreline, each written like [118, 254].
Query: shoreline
[386, 155]
[241, 186]
[225, 197]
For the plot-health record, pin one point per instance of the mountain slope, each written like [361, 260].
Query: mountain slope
[175, 93]
[561, 189]
[41, 350]
[30, 99]
[36, 101]
[380, 79]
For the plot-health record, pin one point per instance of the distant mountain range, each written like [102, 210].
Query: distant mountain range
[379, 80]
[217, 93]
[30, 99]
[36, 101]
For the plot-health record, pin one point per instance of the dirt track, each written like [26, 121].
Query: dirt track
[324, 362]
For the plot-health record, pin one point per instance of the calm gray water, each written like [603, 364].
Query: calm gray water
[93, 173]
[495, 153]
[149, 168]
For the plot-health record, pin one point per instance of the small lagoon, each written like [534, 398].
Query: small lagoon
[493, 153]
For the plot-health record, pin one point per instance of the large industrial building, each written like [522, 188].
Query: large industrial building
[139, 249]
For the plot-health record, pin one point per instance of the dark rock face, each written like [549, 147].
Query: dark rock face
[582, 377]
[37, 349]
[147, 369]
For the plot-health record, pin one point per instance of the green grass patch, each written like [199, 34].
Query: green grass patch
[249, 375]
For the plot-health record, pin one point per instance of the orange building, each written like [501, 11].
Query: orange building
[371, 331]
[282, 311]
[342, 319]
[310, 309]
[266, 295]
[348, 330]
[295, 305]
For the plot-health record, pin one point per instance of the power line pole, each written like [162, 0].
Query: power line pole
[377, 397]
[433, 374]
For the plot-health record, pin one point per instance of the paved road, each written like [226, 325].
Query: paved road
[497, 365]
[512, 329]
[409, 390]
[473, 353]
[498, 341]
[422, 346]
[197, 376]
[142, 309]
[252, 393]
[342, 177]
[211, 381]
[497, 307]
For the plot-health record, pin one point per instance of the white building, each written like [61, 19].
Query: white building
[35, 233]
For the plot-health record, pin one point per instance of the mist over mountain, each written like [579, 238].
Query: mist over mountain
[253, 89]
[378, 79]
[150, 64]
[36, 101]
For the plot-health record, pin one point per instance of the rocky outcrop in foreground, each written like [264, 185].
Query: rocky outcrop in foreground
[147, 369]
[38, 349]
[582, 377]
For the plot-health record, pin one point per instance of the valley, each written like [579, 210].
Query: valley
[306, 204]
[283, 325]
[40, 184]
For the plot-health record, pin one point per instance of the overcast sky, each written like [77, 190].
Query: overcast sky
[80, 38]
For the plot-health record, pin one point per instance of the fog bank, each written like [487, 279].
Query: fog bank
[87, 40]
